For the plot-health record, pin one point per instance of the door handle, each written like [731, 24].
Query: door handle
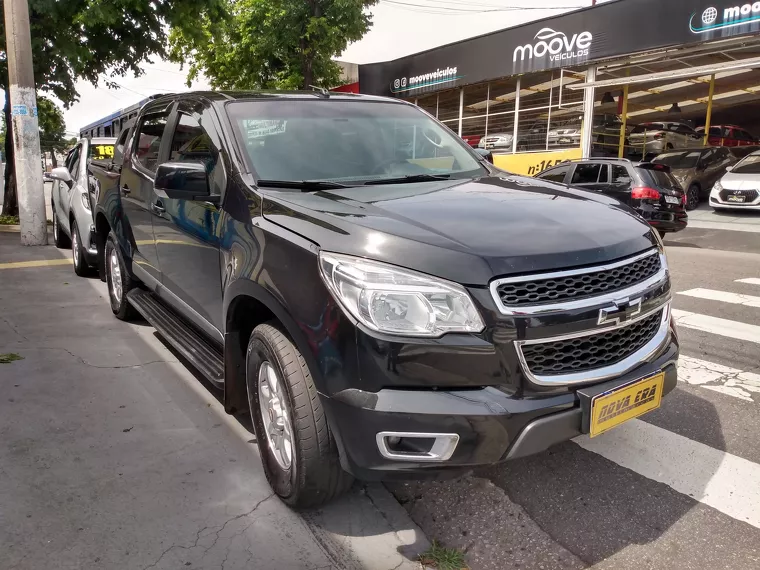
[125, 189]
[158, 208]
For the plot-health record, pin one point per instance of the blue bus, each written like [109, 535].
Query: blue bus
[111, 125]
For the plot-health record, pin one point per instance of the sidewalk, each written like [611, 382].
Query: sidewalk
[704, 217]
[113, 455]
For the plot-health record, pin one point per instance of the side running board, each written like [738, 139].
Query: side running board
[201, 353]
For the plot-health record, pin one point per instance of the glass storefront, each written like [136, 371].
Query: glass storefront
[547, 114]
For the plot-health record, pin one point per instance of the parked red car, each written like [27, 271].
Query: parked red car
[472, 140]
[728, 135]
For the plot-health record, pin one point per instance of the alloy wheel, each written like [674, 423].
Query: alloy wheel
[115, 270]
[55, 226]
[75, 247]
[274, 415]
[693, 197]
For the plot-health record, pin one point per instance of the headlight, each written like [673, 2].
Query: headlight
[397, 301]
[717, 187]
[86, 201]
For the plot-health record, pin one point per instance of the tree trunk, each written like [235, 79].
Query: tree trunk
[10, 200]
[307, 62]
[52, 159]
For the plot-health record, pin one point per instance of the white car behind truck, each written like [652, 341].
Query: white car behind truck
[72, 209]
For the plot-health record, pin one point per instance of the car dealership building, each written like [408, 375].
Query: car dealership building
[573, 85]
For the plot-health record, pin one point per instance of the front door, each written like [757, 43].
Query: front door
[136, 190]
[187, 231]
[63, 192]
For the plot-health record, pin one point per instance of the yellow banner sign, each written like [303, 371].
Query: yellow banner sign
[531, 163]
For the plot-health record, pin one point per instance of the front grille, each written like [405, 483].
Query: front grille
[749, 195]
[590, 352]
[538, 291]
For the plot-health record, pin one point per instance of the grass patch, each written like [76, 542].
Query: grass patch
[9, 357]
[443, 558]
[8, 220]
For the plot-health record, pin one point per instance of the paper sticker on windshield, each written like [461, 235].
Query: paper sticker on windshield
[257, 129]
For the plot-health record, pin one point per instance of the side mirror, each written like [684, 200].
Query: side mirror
[729, 168]
[486, 155]
[183, 180]
[62, 174]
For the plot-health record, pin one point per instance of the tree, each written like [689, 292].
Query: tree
[52, 127]
[272, 44]
[89, 39]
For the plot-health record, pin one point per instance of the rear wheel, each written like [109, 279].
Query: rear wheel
[119, 281]
[692, 197]
[297, 448]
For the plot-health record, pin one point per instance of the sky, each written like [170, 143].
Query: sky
[400, 27]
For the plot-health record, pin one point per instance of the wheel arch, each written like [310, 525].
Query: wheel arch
[247, 305]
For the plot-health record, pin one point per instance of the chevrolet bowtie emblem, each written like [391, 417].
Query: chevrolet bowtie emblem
[623, 311]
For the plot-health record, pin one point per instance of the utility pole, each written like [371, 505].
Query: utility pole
[26, 133]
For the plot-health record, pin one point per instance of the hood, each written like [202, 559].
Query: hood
[739, 181]
[466, 230]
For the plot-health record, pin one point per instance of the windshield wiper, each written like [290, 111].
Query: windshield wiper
[303, 185]
[409, 178]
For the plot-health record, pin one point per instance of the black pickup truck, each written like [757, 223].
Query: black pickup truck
[384, 302]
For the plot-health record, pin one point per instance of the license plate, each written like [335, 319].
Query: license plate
[611, 409]
[489, 146]
[565, 140]
[736, 198]
[672, 199]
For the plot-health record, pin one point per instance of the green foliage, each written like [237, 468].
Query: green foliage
[272, 44]
[90, 39]
[443, 558]
[52, 126]
[8, 220]
[10, 357]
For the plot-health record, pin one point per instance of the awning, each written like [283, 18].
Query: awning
[673, 74]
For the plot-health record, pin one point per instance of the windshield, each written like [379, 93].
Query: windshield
[679, 159]
[648, 127]
[346, 141]
[748, 165]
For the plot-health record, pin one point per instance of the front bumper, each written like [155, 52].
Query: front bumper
[718, 204]
[491, 425]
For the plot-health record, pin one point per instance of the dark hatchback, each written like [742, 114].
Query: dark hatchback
[648, 188]
[384, 302]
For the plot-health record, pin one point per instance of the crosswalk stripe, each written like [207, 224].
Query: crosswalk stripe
[750, 280]
[723, 296]
[723, 481]
[719, 378]
[715, 325]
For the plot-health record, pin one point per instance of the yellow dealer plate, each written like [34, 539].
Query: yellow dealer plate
[613, 408]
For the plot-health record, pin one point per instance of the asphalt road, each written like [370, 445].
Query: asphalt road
[677, 488]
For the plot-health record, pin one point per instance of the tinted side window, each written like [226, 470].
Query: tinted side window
[586, 174]
[604, 173]
[121, 142]
[555, 174]
[73, 162]
[685, 130]
[148, 140]
[620, 175]
[191, 143]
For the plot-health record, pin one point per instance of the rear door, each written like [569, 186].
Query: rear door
[136, 188]
[621, 183]
[187, 231]
[592, 176]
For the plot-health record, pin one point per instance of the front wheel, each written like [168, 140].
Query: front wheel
[692, 197]
[297, 448]
[119, 281]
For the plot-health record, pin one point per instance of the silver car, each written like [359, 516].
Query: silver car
[739, 188]
[648, 138]
[497, 141]
[72, 210]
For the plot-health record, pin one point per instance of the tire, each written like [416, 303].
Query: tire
[61, 240]
[118, 297]
[692, 197]
[81, 267]
[313, 475]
